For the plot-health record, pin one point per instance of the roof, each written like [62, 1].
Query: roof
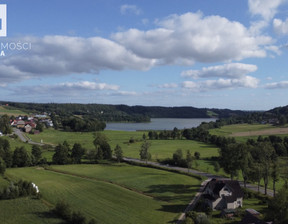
[217, 185]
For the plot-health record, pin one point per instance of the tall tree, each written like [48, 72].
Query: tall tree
[5, 127]
[77, 153]
[37, 153]
[2, 166]
[118, 152]
[189, 160]
[266, 154]
[102, 146]
[278, 207]
[144, 151]
[61, 155]
[21, 157]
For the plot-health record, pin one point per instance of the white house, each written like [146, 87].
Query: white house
[223, 194]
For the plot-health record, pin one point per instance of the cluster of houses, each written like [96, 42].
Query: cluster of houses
[227, 195]
[27, 124]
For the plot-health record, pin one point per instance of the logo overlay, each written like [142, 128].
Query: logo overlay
[3, 20]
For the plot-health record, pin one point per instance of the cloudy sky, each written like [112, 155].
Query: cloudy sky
[201, 53]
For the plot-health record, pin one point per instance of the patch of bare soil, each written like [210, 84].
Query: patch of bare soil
[272, 131]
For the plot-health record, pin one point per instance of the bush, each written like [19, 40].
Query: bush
[63, 210]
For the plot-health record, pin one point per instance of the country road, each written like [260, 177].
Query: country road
[23, 138]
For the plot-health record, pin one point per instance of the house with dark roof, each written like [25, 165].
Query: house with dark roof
[223, 194]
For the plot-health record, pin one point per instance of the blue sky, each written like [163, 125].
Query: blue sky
[201, 53]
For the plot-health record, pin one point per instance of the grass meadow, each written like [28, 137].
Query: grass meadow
[26, 210]
[11, 112]
[114, 193]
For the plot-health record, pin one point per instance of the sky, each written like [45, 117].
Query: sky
[200, 53]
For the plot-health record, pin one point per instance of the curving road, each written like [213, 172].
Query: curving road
[23, 137]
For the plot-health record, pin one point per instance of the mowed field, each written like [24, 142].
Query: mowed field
[26, 210]
[242, 132]
[114, 193]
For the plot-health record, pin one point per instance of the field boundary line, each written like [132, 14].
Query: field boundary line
[102, 180]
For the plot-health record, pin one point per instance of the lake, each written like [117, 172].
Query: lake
[159, 124]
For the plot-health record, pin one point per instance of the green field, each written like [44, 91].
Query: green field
[160, 149]
[26, 210]
[115, 193]
[11, 111]
[251, 131]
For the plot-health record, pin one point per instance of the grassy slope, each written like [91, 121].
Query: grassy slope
[111, 203]
[26, 210]
[11, 111]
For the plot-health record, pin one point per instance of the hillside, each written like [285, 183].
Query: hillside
[105, 112]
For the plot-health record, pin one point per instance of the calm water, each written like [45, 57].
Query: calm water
[159, 124]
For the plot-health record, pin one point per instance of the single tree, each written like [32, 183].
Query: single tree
[37, 153]
[77, 153]
[118, 152]
[189, 160]
[2, 166]
[144, 151]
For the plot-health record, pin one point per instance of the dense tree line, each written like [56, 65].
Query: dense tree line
[18, 189]
[64, 154]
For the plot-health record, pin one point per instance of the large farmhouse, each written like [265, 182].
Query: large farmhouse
[223, 194]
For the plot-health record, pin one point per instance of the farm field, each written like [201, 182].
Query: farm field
[160, 149]
[242, 132]
[26, 210]
[9, 111]
[115, 193]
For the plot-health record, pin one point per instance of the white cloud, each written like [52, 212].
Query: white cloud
[277, 85]
[227, 70]
[86, 85]
[124, 9]
[62, 55]
[243, 82]
[168, 86]
[265, 8]
[280, 27]
[191, 37]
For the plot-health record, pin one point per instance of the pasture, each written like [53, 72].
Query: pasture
[242, 132]
[160, 149]
[114, 193]
[11, 111]
[26, 210]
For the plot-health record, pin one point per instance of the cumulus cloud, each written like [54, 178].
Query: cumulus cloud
[265, 8]
[191, 37]
[277, 85]
[62, 55]
[168, 86]
[245, 82]
[66, 88]
[280, 27]
[227, 70]
[124, 9]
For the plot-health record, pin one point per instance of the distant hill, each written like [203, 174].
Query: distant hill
[107, 112]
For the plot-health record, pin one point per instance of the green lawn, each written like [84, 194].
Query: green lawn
[116, 193]
[26, 210]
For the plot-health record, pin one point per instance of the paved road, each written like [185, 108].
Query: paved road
[23, 138]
